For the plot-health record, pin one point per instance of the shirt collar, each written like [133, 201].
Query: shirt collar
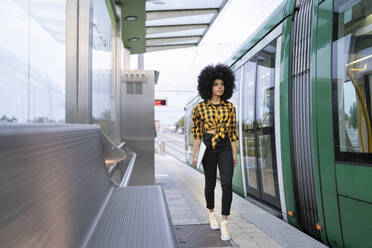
[210, 104]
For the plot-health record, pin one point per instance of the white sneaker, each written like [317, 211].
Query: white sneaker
[225, 234]
[213, 221]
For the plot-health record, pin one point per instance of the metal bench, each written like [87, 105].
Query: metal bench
[55, 191]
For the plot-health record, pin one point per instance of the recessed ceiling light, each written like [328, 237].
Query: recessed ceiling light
[133, 39]
[157, 2]
[130, 18]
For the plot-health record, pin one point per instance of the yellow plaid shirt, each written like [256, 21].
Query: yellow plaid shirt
[222, 118]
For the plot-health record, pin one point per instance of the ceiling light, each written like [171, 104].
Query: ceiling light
[130, 18]
[133, 39]
[158, 2]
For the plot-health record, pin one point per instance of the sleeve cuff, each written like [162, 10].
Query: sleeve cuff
[198, 136]
[234, 137]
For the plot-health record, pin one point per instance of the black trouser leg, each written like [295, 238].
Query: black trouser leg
[226, 167]
[210, 173]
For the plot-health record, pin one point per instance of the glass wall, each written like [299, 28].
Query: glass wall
[352, 78]
[32, 61]
[103, 104]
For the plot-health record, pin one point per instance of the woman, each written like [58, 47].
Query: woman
[215, 124]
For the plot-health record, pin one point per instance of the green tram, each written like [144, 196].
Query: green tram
[303, 98]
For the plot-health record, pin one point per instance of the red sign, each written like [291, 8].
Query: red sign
[160, 102]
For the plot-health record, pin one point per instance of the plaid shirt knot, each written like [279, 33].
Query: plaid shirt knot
[221, 118]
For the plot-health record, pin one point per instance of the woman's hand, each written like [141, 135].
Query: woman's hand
[195, 152]
[235, 159]
[194, 161]
[233, 148]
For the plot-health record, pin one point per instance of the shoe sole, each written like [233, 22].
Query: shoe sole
[215, 227]
[226, 238]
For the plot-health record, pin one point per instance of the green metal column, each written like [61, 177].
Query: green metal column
[323, 123]
[313, 73]
[285, 123]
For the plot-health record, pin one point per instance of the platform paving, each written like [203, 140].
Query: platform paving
[250, 226]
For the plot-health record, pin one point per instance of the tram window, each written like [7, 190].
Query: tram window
[352, 79]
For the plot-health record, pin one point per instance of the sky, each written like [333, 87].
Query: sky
[179, 68]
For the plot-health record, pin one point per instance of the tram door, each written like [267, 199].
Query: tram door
[258, 134]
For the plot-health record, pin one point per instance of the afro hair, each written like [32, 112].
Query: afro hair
[209, 74]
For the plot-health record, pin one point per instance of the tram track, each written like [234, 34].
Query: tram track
[180, 140]
[173, 146]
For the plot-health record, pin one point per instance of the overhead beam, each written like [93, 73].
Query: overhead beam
[160, 48]
[156, 15]
[177, 25]
[171, 37]
[174, 28]
[183, 9]
[166, 41]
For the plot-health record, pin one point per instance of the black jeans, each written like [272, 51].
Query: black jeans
[221, 155]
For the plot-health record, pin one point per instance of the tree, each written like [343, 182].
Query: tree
[5, 118]
[180, 122]
[353, 113]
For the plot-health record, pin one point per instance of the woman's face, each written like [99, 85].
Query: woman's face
[218, 87]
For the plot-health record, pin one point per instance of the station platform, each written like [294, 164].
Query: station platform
[250, 226]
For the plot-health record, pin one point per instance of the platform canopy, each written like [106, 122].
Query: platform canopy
[166, 24]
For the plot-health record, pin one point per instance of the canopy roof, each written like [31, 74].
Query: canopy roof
[166, 24]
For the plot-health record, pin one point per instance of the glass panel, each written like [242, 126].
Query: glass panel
[235, 97]
[199, 31]
[265, 116]
[180, 4]
[248, 113]
[265, 159]
[248, 118]
[265, 86]
[352, 75]
[196, 19]
[32, 89]
[102, 95]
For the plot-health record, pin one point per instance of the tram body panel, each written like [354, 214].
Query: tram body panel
[344, 78]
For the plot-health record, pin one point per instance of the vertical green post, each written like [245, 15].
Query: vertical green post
[323, 125]
[285, 120]
[314, 121]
